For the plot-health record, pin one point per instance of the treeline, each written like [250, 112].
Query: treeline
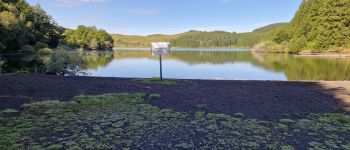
[194, 39]
[318, 26]
[89, 37]
[26, 28]
[227, 39]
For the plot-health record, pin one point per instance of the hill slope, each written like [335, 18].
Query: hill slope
[318, 26]
[321, 25]
[137, 41]
[202, 39]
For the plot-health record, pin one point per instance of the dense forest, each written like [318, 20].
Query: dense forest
[195, 38]
[227, 39]
[89, 37]
[26, 28]
[318, 26]
[30, 30]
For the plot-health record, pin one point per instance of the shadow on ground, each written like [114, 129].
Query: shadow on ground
[266, 100]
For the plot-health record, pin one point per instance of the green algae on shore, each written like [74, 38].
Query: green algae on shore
[125, 121]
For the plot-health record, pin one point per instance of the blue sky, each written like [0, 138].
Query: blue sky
[144, 17]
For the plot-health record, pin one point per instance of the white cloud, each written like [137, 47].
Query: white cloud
[144, 12]
[72, 3]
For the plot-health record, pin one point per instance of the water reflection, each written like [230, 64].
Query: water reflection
[225, 65]
[306, 68]
[97, 59]
[241, 65]
[34, 64]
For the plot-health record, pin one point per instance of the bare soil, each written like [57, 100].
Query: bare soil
[265, 100]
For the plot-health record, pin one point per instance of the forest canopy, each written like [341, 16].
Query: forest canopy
[197, 39]
[89, 37]
[318, 26]
[227, 39]
[26, 28]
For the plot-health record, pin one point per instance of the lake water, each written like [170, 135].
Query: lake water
[237, 64]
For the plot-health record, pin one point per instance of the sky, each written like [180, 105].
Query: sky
[146, 17]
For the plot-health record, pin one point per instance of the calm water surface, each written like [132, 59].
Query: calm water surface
[238, 64]
[216, 64]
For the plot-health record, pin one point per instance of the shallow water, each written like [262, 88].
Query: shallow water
[238, 64]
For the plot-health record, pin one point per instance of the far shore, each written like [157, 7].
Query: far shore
[331, 55]
[303, 54]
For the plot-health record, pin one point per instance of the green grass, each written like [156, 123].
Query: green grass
[125, 121]
[201, 106]
[156, 81]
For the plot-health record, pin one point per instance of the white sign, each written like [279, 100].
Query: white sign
[161, 48]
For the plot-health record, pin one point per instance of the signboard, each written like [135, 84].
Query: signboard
[160, 48]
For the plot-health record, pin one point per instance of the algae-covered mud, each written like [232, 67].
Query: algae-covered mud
[127, 121]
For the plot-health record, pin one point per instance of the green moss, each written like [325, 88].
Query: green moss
[239, 115]
[154, 96]
[117, 121]
[55, 147]
[287, 121]
[9, 111]
[201, 106]
[45, 51]
[287, 147]
[156, 81]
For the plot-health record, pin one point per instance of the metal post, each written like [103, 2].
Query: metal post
[161, 71]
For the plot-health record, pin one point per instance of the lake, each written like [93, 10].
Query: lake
[236, 64]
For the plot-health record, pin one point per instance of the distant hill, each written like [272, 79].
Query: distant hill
[227, 39]
[195, 38]
[272, 27]
[140, 41]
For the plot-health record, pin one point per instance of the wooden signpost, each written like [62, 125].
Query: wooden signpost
[160, 49]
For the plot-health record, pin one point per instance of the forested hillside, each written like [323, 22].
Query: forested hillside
[318, 26]
[138, 41]
[321, 25]
[195, 38]
[26, 28]
[227, 39]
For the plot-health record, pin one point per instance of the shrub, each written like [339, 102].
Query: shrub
[2, 47]
[27, 48]
[45, 51]
[281, 36]
[40, 45]
[65, 62]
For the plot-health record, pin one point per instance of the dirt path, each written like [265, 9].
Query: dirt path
[268, 100]
[340, 90]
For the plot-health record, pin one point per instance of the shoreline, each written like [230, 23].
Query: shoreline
[330, 55]
[265, 100]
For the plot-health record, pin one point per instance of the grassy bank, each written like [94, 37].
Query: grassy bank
[127, 121]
